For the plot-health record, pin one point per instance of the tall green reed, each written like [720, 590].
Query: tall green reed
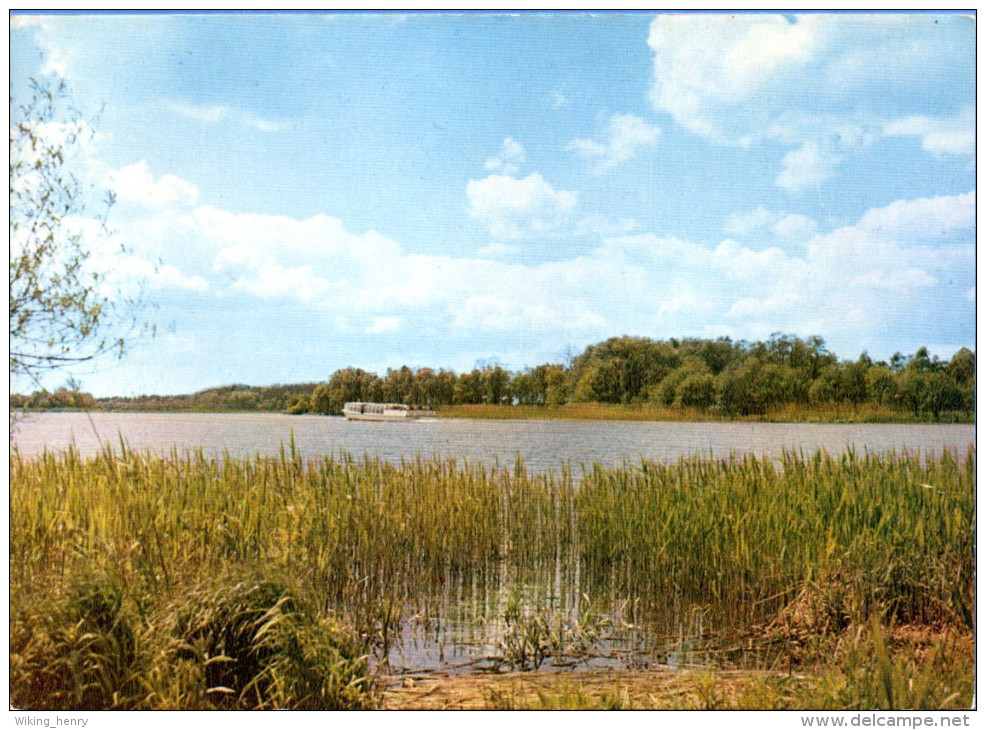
[740, 535]
[733, 541]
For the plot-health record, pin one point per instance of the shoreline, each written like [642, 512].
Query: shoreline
[835, 415]
[607, 412]
[792, 688]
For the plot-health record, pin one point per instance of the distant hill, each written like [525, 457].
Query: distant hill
[237, 397]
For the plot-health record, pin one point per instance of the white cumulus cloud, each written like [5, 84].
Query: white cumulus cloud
[515, 208]
[383, 325]
[785, 226]
[810, 165]
[706, 65]
[271, 280]
[159, 276]
[901, 280]
[136, 184]
[742, 224]
[509, 159]
[955, 136]
[890, 272]
[923, 217]
[795, 227]
[625, 133]
[819, 84]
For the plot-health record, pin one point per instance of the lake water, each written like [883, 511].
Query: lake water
[542, 445]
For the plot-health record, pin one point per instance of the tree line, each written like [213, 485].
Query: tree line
[227, 398]
[732, 378]
[718, 377]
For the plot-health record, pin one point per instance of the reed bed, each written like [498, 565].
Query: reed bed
[186, 580]
[744, 536]
[781, 413]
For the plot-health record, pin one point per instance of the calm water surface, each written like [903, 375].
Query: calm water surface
[543, 445]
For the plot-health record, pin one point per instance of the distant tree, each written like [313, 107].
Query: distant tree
[621, 369]
[780, 347]
[752, 387]
[968, 397]
[852, 381]
[941, 393]
[244, 400]
[444, 388]
[298, 404]
[897, 362]
[925, 386]
[523, 390]
[67, 396]
[349, 384]
[717, 354]
[825, 388]
[321, 402]
[544, 385]
[922, 362]
[399, 386]
[495, 381]
[59, 311]
[962, 369]
[585, 386]
[612, 376]
[666, 392]
[696, 391]
[427, 387]
[469, 388]
[881, 385]
[962, 366]
[555, 384]
[815, 356]
[911, 385]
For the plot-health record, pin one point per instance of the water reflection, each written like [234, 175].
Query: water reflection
[523, 625]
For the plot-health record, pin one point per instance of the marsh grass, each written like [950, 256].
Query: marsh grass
[229, 642]
[187, 581]
[877, 670]
[860, 533]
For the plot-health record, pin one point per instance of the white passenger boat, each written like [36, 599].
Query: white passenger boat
[385, 412]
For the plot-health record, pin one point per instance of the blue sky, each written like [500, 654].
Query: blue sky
[301, 193]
